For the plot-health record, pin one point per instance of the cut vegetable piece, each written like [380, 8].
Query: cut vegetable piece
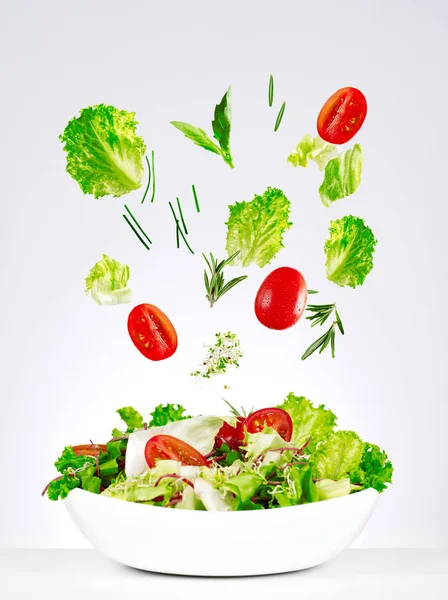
[315, 149]
[342, 176]
[107, 282]
[256, 228]
[349, 251]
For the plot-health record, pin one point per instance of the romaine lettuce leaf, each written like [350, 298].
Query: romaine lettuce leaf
[349, 251]
[328, 489]
[342, 176]
[308, 421]
[255, 229]
[375, 469]
[315, 149]
[107, 282]
[244, 485]
[104, 154]
[338, 456]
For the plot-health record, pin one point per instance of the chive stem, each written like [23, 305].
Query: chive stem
[153, 178]
[195, 198]
[179, 229]
[280, 116]
[182, 216]
[136, 232]
[137, 223]
[149, 179]
[271, 90]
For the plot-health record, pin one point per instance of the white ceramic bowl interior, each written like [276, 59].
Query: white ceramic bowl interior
[188, 542]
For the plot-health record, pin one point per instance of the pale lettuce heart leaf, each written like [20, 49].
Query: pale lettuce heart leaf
[328, 489]
[212, 498]
[261, 442]
[342, 176]
[107, 282]
[338, 456]
[104, 153]
[312, 148]
[349, 251]
[199, 432]
[255, 229]
[309, 421]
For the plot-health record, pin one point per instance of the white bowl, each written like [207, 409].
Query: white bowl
[189, 542]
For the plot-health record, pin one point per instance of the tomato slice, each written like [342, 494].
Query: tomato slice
[87, 449]
[342, 115]
[152, 332]
[276, 418]
[168, 447]
[233, 436]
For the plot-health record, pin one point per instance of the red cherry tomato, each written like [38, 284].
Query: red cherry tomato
[152, 332]
[233, 436]
[342, 115]
[87, 449]
[168, 447]
[276, 418]
[281, 299]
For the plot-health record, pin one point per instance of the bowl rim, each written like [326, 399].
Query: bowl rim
[201, 513]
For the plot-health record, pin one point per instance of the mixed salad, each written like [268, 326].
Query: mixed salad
[269, 458]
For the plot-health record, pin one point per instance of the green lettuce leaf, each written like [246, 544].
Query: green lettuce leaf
[131, 417]
[257, 443]
[60, 488]
[315, 149]
[342, 176]
[349, 251]
[308, 421]
[69, 460]
[104, 154]
[328, 489]
[168, 413]
[89, 480]
[375, 469]
[338, 456]
[221, 125]
[107, 282]
[244, 485]
[255, 229]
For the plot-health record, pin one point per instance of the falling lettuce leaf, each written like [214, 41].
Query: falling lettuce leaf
[315, 149]
[349, 251]
[221, 125]
[375, 469]
[338, 456]
[104, 153]
[255, 229]
[107, 282]
[308, 421]
[342, 175]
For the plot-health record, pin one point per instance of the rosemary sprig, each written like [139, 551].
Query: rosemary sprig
[238, 413]
[320, 314]
[215, 286]
[149, 179]
[271, 90]
[280, 116]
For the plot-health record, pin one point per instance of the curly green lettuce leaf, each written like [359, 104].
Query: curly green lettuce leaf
[375, 469]
[131, 417]
[338, 456]
[312, 148]
[349, 251]
[70, 460]
[107, 282]
[308, 421]
[342, 175]
[221, 126]
[61, 487]
[168, 413]
[104, 153]
[255, 229]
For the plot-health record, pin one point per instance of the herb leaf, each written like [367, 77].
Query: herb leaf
[197, 135]
[320, 314]
[271, 90]
[215, 286]
[221, 125]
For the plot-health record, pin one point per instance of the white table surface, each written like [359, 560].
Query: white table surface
[364, 574]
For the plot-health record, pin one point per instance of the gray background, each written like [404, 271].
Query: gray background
[68, 364]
